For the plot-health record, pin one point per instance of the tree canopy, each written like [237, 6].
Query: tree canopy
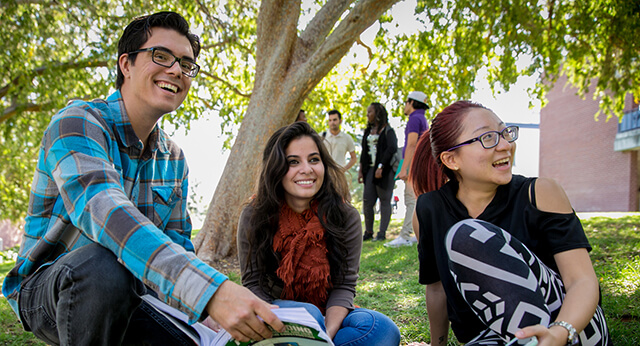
[58, 50]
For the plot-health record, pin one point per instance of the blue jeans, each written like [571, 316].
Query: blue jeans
[360, 327]
[87, 297]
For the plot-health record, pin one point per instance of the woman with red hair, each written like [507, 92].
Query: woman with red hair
[502, 256]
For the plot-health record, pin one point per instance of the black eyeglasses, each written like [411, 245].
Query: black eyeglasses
[164, 58]
[491, 138]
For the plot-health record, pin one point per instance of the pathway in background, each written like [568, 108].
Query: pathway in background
[611, 214]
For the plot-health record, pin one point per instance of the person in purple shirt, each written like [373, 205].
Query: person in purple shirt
[414, 107]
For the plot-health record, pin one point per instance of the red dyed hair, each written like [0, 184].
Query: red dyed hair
[427, 173]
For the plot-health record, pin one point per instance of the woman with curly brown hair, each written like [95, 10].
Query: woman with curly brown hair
[299, 239]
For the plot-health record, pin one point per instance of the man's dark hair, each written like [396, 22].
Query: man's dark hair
[139, 30]
[418, 105]
[335, 111]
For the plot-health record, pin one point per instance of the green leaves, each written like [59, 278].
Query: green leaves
[55, 51]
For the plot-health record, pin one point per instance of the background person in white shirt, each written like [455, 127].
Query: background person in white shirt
[339, 143]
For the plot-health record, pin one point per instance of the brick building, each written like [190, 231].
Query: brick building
[579, 152]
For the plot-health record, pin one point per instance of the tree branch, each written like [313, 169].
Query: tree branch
[217, 23]
[63, 66]
[32, 2]
[319, 27]
[227, 41]
[362, 16]
[369, 52]
[15, 109]
[277, 33]
[226, 83]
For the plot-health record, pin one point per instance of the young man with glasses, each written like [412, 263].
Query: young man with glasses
[108, 221]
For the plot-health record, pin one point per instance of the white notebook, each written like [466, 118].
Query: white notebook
[301, 328]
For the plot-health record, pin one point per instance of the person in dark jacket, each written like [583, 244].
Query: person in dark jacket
[379, 144]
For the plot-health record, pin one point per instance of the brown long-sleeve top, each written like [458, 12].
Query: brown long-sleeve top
[342, 292]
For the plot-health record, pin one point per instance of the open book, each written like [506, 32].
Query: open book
[301, 328]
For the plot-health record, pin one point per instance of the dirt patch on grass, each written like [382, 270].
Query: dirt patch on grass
[227, 265]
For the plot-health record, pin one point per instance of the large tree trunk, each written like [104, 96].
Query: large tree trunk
[288, 67]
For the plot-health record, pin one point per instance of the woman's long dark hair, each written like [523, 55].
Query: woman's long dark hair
[332, 198]
[382, 116]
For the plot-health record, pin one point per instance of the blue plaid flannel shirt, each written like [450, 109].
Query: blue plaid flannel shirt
[95, 183]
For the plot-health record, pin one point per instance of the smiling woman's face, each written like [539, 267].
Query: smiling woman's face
[474, 163]
[306, 173]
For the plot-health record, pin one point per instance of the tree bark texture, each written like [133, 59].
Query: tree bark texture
[288, 67]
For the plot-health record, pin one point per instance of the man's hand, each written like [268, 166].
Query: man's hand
[236, 309]
[378, 174]
[213, 325]
[360, 177]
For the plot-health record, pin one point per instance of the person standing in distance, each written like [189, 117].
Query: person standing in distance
[379, 144]
[302, 116]
[108, 221]
[414, 107]
[338, 142]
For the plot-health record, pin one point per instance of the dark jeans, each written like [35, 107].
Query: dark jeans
[371, 194]
[88, 298]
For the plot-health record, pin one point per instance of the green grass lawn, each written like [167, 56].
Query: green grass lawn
[389, 284]
[616, 259]
[11, 332]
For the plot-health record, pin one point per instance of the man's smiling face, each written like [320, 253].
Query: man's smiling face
[156, 88]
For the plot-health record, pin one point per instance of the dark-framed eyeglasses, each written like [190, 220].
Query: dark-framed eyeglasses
[491, 138]
[164, 58]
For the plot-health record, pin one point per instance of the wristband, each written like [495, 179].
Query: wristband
[380, 166]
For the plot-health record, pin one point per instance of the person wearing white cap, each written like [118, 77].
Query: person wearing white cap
[414, 107]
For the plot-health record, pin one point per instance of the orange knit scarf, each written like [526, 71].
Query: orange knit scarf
[304, 266]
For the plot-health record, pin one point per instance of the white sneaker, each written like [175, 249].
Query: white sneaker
[399, 242]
